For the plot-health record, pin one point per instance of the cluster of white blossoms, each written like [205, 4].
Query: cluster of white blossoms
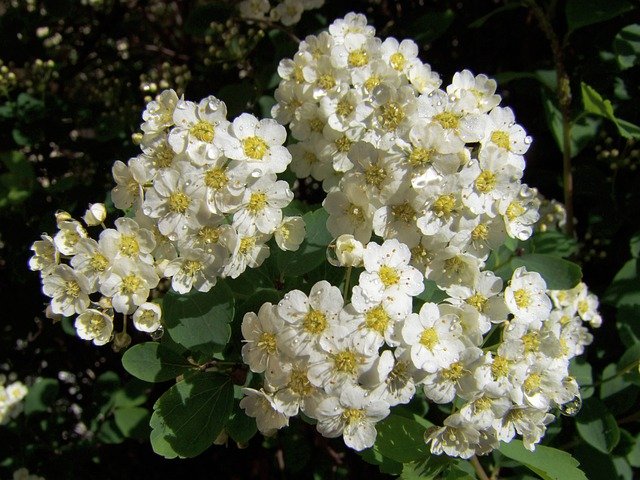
[11, 400]
[345, 365]
[436, 174]
[287, 12]
[437, 168]
[23, 474]
[202, 199]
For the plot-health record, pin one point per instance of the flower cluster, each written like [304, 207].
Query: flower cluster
[202, 200]
[287, 12]
[11, 400]
[437, 168]
[346, 365]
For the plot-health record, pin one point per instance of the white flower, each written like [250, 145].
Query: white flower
[158, 115]
[251, 9]
[434, 339]
[526, 421]
[479, 88]
[194, 268]
[261, 205]
[147, 317]
[95, 214]
[458, 437]
[128, 240]
[288, 12]
[308, 318]
[246, 251]
[199, 129]
[349, 212]
[294, 390]
[260, 405]
[401, 56]
[45, 256]
[71, 231]
[348, 251]
[129, 284]
[94, 325]
[290, 233]
[91, 261]
[68, 290]
[130, 180]
[393, 377]
[520, 213]
[260, 331]
[526, 296]
[257, 145]
[353, 415]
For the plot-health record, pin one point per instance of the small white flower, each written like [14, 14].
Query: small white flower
[68, 290]
[349, 252]
[526, 296]
[94, 325]
[194, 268]
[45, 256]
[290, 233]
[95, 214]
[260, 331]
[129, 284]
[261, 205]
[70, 232]
[260, 405]
[147, 317]
[457, 438]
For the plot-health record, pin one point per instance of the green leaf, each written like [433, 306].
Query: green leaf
[109, 432]
[133, 422]
[41, 396]
[582, 13]
[429, 27]
[553, 243]
[595, 104]
[626, 45]
[426, 469]
[559, 274]
[548, 463]
[386, 465]
[597, 426]
[153, 362]
[628, 365]
[504, 8]
[616, 392]
[581, 370]
[17, 183]
[634, 245]
[200, 321]
[628, 324]
[583, 129]
[401, 439]
[313, 250]
[241, 428]
[189, 416]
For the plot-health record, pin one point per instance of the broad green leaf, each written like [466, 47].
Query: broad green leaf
[189, 416]
[548, 463]
[559, 274]
[583, 130]
[597, 426]
[634, 245]
[581, 13]
[429, 27]
[581, 370]
[426, 469]
[133, 422]
[618, 394]
[626, 45]
[41, 396]
[628, 365]
[109, 432]
[624, 290]
[200, 321]
[132, 394]
[313, 250]
[633, 456]
[153, 362]
[241, 428]
[432, 293]
[552, 243]
[386, 465]
[17, 183]
[401, 439]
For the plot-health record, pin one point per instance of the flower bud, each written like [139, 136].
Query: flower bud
[95, 214]
[349, 251]
[62, 216]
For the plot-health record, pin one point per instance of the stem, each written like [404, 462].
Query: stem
[482, 475]
[347, 281]
[564, 100]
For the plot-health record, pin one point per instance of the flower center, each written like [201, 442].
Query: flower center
[148, 318]
[316, 125]
[246, 245]
[372, 82]
[444, 205]
[353, 415]
[355, 212]
[532, 382]
[163, 156]
[501, 139]
[388, 275]
[531, 342]
[267, 342]
[310, 158]
[179, 202]
[343, 144]
[447, 120]
[72, 289]
[514, 210]
[216, 178]
[326, 82]
[209, 235]
[358, 58]
[522, 298]
[477, 301]
[298, 75]
[344, 108]
[391, 115]
[583, 307]
[191, 267]
[377, 320]
[375, 175]
[314, 322]
[454, 372]
[99, 262]
[499, 367]
[420, 156]
[429, 338]
[255, 147]
[96, 325]
[397, 61]
[203, 131]
[404, 212]
[454, 264]
[257, 202]
[346, 362]
[486, 181]
[480, 232]
[130, 284]
[129, 245]
[299, 383]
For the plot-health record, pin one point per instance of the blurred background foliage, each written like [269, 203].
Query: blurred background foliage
[74, 78]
